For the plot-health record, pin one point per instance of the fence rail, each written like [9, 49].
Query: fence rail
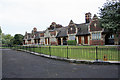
[80, 53]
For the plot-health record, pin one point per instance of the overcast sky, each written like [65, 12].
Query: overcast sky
[19, 16]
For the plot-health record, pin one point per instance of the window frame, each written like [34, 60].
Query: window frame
[96, 36]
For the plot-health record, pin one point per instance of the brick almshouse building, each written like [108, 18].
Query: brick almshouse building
[88, 33]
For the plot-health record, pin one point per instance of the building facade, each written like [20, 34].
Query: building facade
[88, 33]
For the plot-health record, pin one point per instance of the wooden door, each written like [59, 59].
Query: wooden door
[45, 40]
[86, 39]
[24, 42]
[79, 39]
[59, 41]
[48, 41]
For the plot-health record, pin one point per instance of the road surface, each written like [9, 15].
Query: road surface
[17, 64]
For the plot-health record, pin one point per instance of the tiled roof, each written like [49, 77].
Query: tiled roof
[62, 32]
[29, 36]
[82, 29]
[37, 34]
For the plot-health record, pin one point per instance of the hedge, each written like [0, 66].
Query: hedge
[71, 42]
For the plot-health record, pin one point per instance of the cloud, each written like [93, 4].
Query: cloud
[22, 15]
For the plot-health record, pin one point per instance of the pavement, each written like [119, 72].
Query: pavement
[17, 64]
[72, 60]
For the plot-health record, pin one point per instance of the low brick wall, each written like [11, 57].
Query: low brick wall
[96, 42]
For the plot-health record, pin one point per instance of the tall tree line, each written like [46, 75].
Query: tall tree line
[9, 40]
[110, 16]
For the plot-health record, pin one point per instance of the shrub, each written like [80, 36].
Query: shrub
[71, 42]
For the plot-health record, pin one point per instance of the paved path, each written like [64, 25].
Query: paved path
[18, 64]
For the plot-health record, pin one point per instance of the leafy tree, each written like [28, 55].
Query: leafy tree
[6, 39]
[18, 39]
[11, 41]
[110, 16]
[0, 30]
[0, 36]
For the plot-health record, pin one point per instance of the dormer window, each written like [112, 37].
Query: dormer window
[71, 30]
[95, 25]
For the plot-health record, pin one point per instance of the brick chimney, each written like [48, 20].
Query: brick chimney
[87, 17]
[34, 29]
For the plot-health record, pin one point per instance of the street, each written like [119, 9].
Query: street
[17, 64]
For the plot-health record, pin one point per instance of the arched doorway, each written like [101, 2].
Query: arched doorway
[64, 41]
[59, 41]
[109, 39]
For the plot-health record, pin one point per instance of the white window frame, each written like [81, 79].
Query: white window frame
[96, 36]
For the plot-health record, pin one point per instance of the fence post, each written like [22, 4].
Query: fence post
[16, 47]
[29, 48]
[34, 49]
[50, 50]
[26, 48]
[67, 52]
[118, 52]
[96, 54]
[23, 47]
[40, 48]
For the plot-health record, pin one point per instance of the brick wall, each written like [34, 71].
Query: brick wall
[29, 42]
[96, 42]
[53, 43]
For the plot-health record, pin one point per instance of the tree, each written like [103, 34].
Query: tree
[6, 39]
[0, 30]
[0, 36]
[18, 39]
[110, 16]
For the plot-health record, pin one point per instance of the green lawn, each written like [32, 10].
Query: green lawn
[80, 52]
